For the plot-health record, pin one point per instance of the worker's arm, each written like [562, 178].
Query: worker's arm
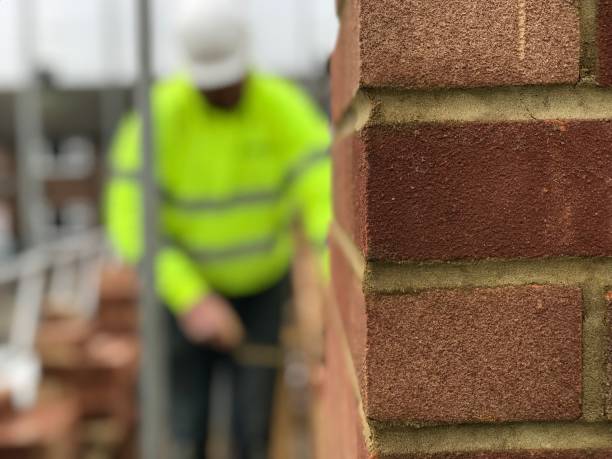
[178, 283]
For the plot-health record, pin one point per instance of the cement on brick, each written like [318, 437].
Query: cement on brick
[347, 289]
[475, 191]
[335, 327]
[349, 249]
[385, 277]
[486, 105]
[356, 116]
[595, 339]
[516, 454]
[348, 188]
[588, 26]
[604, 42]
[485, 355]
[468, 43]
[346, 435]
[402, 442]
[591, 274]
[608, 385]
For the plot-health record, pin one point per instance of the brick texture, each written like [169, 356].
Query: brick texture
[542, 454]
[350, 300]
[456, 43]
[345, 60]
[604, 42]
[501, 190]
[485, 355]
[345, 438]
[412, 188]
[47, 430]
[349, 186]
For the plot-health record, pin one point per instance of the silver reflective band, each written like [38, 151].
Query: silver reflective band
[303, 165]
[260, 247]
[246, 199]
[195, 205]
[125, 175]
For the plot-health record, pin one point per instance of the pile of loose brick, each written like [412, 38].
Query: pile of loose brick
[473, 234]
[87, 402]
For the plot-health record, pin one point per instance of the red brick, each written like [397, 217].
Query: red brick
[500, 190]
[118, 316]
[345, 61]
[119, 283]
[456, 43]
[349, 186]
[47, 430]
[350, 301]
[542, 454]
[103, 371]
[482, 355]
[604, 42]
[345, 439]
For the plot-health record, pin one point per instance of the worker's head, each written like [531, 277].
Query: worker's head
[214, 37]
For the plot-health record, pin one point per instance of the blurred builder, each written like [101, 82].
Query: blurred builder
[239, 157]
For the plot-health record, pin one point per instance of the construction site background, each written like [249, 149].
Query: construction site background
[68, 308]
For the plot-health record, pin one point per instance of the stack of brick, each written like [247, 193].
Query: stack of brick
[48, 430]
[98, 360]
[473, 235]
[99, 366]
[118, 309]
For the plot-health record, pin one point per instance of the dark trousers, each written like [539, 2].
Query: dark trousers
[191, 367]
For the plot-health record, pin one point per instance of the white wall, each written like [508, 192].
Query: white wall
[90, 42]
[11, 68]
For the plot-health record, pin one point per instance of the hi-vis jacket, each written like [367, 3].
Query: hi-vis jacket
[231, 183]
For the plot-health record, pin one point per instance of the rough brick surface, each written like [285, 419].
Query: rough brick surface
[604, 42]
[594, 454]
[345, 61]
[483, 355]
[350, 300]
[345, 437]
[500, 190]
[349, 186]
[47, 430]
[457, 43]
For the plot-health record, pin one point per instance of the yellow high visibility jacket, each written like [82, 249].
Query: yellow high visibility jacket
[231, 185]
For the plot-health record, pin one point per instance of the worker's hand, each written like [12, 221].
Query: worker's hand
[213, 321]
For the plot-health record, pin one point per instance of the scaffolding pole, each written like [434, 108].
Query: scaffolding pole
[153, 374]
[29, 134]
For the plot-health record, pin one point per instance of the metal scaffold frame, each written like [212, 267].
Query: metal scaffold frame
[29, 134]
[154, 441]
[154, 435]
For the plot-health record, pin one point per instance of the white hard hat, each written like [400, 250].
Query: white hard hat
[214, 37]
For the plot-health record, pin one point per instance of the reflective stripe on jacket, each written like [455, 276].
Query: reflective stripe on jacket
[231, 184]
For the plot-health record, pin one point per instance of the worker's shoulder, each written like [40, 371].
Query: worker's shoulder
[172, 91]
[281, 94]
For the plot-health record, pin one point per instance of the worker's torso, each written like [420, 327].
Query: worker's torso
[224, 178]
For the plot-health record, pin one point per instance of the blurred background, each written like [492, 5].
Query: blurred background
[82, 56]
[68, 310]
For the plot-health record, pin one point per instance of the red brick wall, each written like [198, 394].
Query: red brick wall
[472, 247]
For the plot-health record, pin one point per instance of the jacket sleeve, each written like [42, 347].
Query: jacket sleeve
[310, 172]
[177, 280]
